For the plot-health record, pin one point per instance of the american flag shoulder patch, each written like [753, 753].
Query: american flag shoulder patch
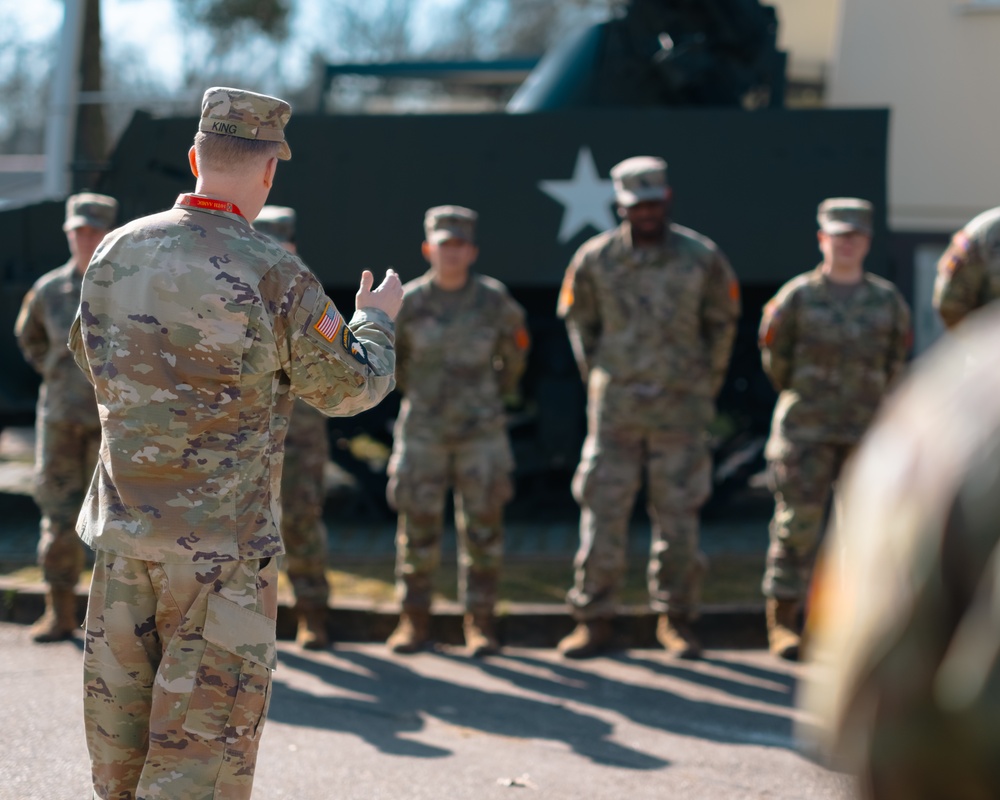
[329, 323]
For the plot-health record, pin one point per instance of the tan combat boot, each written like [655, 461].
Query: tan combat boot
[480, 640]
[412, 632]
[782, 628]
[587, 639]
[311, 634]
[675, 634]
[59, 620]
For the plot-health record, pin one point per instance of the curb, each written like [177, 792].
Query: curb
[517, 624]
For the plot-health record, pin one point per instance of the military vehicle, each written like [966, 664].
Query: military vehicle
[698, 82]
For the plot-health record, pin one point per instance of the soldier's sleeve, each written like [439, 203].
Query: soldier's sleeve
[77, 348]
[961, 280]
[32, 338]
[902, 339]
[579, 309]
[513, 344]
[719, 314]
[777, 339]
[340, 368]
[402, 348]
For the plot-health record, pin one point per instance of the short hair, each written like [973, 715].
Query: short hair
[215, 151]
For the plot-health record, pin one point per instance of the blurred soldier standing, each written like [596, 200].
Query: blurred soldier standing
[968, 275]
[461, 348]
[905, 624]
[197, 332]
[832, 340]
[651, 310]
[68, 431]
[307, 449]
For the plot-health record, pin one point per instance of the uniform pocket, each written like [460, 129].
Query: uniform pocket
[233, 681]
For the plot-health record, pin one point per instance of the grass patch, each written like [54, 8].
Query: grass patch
[732, 578]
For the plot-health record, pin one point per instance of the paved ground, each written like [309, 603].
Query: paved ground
[357, 723]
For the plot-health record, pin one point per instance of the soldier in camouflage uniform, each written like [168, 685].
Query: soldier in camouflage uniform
[461, 349]
[307, 449]
[905, 619]
[651, 310]
[969, 271]
[68, 432]
[197, 332]
[832, 341]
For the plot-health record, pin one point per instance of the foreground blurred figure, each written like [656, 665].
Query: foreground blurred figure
[906, 611]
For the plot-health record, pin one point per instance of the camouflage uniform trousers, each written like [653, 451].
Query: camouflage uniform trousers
[177, 676]
[801, 476]
[302, 495]
[65, 457]
[678, 470]
[421, 473]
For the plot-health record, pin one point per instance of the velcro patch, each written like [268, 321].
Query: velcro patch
[330, 323]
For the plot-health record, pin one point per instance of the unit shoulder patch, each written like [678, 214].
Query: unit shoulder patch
[354, 347]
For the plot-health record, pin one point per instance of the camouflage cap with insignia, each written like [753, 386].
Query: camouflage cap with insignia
[640, 179]
[278, 222]
[248, 115]
[442, 223]
[845, 214]
[88, 208]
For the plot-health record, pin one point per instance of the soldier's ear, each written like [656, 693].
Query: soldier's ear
[425, 249]
[270, 168]
[193, 161]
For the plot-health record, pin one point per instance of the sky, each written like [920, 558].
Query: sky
[155, 27]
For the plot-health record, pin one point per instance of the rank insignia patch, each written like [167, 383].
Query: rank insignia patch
[330, 323]
[354, 347]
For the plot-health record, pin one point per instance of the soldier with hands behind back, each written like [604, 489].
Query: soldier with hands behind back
[67, 429]
[307, 449]
[651, 310]
[832, 341]
[462, 346]
[968, 274]
[197, 332]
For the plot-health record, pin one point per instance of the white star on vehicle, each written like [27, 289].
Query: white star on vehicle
[586, 198]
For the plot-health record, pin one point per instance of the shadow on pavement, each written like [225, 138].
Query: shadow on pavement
[655, 707]
[397, 700]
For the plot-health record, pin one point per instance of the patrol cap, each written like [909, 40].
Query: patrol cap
[442, 223]
[639, 179]
[845, 214]
[248, 115]
[88, 208]
[278, 222]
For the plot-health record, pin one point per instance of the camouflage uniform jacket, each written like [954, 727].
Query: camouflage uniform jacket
[458, 355]
[42, 331]
[831, 359]
[969, 271]
[657, 322]
[196, 331]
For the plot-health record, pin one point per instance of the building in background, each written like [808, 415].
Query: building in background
[934, 63]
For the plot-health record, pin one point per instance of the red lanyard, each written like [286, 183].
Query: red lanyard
[195, 201]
